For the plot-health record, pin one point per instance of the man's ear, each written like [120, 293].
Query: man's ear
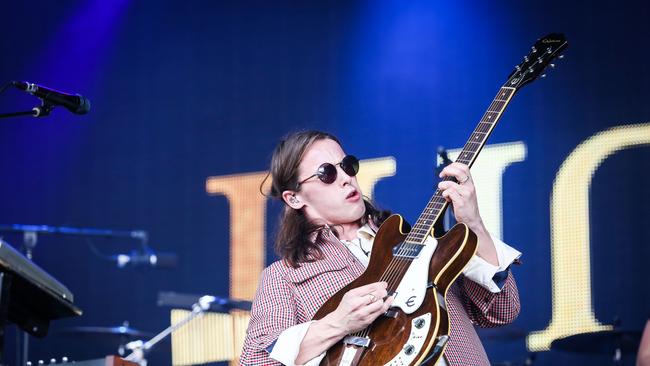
[290, 199]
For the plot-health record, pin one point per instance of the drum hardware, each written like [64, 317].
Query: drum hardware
[139, 348]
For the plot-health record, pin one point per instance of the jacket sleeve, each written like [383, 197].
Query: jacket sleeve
[273, 311]
[488, 309]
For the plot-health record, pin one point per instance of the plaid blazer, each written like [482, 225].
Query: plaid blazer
[288, 296]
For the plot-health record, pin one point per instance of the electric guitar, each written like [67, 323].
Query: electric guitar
[418, 271]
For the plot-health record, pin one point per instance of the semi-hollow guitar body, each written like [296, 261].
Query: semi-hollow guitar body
[398, 338]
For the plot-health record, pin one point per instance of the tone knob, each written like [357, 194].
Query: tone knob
[409, 349]
[419, 323]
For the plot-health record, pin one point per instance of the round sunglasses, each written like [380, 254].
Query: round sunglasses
[327, 172]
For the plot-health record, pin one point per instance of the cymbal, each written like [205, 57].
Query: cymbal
[121, 331]
[604, 342]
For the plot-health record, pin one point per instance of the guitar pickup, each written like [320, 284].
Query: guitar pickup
[407, 250]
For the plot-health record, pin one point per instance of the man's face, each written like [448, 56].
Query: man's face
[340, 202]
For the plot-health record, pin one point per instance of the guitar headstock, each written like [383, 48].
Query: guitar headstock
[545, 50]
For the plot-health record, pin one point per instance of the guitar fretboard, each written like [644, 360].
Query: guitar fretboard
[473, 146]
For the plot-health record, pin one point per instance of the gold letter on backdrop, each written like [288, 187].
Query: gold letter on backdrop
[488, 175]
[247, 228]
[572, 310]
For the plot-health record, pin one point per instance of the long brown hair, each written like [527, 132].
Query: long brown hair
[295, 242]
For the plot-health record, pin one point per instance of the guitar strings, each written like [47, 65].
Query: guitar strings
[396, 270]
[398, 266]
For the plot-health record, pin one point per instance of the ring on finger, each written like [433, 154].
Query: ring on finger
[464, 180]
[373, 298]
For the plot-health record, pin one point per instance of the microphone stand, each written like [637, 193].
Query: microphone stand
[447, 220]
[139, 349]
[41, 111]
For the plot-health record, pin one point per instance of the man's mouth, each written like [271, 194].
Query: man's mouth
[354, 194]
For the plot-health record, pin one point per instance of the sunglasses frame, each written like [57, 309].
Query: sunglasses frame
[322, 174]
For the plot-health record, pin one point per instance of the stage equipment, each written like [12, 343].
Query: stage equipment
[612, 342]
[145, 256]
[30, 239]
[119, 331]
[75, 103]
[50, 98]
[187, 301]
[123, 333]
[218, 336]
[139, 348]
[29, 296]
[106, 361]
[416, 328]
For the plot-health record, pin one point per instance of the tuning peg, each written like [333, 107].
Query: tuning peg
[526, 58]
[518, 68]
[551, 65]
[560, 57]
[534, 49]
[543, 75]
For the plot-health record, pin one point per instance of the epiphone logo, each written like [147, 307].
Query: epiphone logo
[550, 40]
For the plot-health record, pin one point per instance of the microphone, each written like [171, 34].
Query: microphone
[442, 152]
[74, 103]
[147, 258]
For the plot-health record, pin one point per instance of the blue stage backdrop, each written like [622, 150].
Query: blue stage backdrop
[190, 97]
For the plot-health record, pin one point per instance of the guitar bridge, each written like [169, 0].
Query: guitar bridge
[391, 313]
[357, 341]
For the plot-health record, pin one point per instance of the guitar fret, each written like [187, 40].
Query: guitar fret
[491, 117]
[464, 155]
[419, 230]
[499, 103]
[426, 218]
[431, 213]
[485, 127]
[415, 238]
[477, 136]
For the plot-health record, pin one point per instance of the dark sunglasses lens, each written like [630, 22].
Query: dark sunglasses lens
[327, 173]
[350, 165]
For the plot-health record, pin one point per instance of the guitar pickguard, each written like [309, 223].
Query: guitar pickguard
[412, 289]
[419, 330]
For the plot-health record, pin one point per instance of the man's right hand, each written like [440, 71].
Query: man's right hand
[359, 307]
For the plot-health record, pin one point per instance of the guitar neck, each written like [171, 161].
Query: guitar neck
[467, 156]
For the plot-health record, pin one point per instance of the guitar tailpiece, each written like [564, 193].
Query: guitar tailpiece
[437, 349]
